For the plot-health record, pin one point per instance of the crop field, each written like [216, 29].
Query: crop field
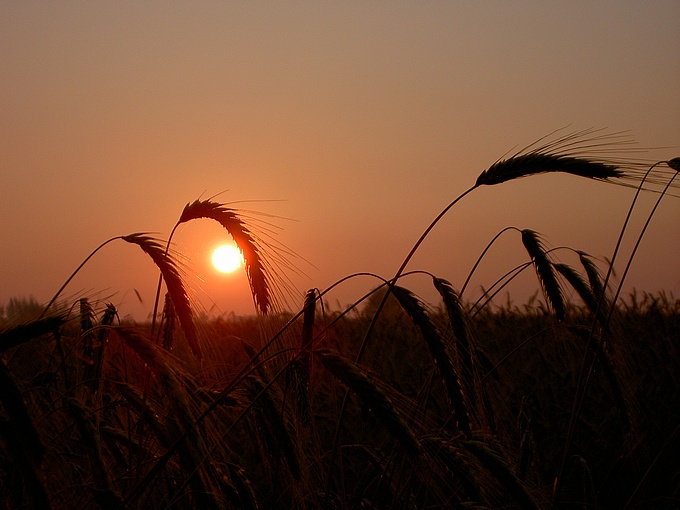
[571, 400]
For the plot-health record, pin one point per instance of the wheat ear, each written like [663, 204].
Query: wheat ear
[442, 362]
[545, 271]
[582, 288]
[594, 278]
[22, 333]
[244, 239]
[454, 310]
[272, 424]
[168, 323]
[104, 492]
[300, 368]
[583, 153]
[93, 372]
[501, 471]
[357, 381]
[174, 283]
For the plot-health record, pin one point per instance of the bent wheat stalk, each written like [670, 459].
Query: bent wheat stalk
[175, 284]
[255, 265]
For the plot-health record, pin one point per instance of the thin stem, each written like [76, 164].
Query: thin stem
[160, 282]
[47, 307]
[369, 331]
[479, 259]
[579, 395]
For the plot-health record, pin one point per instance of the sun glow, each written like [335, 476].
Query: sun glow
[227, 258]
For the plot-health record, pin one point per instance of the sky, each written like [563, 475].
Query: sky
[348, 125]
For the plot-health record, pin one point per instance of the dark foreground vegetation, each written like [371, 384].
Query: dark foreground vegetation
[569, 402]
[99, 414]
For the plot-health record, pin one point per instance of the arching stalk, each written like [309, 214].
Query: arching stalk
[47, 306]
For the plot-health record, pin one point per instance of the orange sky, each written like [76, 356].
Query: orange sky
[355, 122]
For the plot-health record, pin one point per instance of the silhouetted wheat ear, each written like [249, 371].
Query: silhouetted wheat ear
[168, 320]
[141, 407]
[86, 323]
[93, 372]
[272, 421]
[454, 310]
[192, 450]
[244, 489]
[169, 384]
[595, 279]
[579, 285]
[501, 471]
[531, 164]
[90, 439]
[577, 484]
[21, 333]
[583, 153]
[174, 283]
[256, 269]
[545, 271]
[442, 362]
[349, 374]
[457, 463]
[584, 290]
[300, 368]
[674, 164]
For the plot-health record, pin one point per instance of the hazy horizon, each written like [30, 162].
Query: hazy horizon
[351, 126]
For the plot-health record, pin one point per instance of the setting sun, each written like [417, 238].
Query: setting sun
[227, 258]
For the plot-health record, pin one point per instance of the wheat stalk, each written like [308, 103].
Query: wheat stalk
[357, 381]
[174, 283]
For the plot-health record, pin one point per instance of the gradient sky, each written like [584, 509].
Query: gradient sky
[354, 123]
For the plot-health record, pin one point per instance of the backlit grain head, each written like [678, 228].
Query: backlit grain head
[175, 284]
[589, 153]
[247, 243]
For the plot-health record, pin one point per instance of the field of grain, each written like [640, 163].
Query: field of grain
[389, 403]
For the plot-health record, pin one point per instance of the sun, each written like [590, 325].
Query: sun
[227, 258]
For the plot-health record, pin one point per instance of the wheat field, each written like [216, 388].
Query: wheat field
[571, 400]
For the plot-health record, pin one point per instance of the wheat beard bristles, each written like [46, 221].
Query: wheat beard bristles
[584, 153]
[255, 267]
[531, 164]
